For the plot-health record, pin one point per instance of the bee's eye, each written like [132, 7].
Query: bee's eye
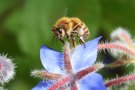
[60, 31]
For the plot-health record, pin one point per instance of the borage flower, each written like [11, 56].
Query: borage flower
[73, 70]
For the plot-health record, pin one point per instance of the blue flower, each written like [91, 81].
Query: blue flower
[81, 58]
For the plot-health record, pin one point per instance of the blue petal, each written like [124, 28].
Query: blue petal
[92, 81]
[43, 85]
[84, 57]
[51, 60]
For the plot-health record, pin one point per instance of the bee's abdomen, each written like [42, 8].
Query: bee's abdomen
[85, 31]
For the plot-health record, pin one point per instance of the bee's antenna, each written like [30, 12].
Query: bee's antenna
[65, 12]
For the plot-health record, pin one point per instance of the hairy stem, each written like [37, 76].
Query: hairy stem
[116, 46]
[127, 39]
[120, 80]
[67, 62]
[120, 63]
[78, 76]
[74, 87]
[60, 83]
[88, 70]
[47, 75]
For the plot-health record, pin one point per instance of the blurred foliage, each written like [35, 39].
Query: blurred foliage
[25, 25]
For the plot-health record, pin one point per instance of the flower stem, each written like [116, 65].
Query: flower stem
[120, 80]
[59, 83]
[116, 46]
[45, 74]
[120, 63]
[74, 87]
[88, 70]
[67, 63]
[127, 39]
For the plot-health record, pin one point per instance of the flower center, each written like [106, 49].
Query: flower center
[73, 79]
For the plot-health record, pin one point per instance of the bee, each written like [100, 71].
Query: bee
[70, 28]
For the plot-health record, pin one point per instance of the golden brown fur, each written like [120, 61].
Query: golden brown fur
[71, 27]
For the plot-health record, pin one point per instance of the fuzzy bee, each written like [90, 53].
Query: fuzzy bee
[71, 27]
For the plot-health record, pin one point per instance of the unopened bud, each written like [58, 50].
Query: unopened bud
[6, 69]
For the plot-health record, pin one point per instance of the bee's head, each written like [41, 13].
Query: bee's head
[58, 32]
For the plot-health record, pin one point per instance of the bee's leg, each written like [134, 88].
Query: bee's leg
[68, 37]
[81, 40]
[62, 40]
[73, 40]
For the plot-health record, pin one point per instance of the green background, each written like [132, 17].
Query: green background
[25, 25]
